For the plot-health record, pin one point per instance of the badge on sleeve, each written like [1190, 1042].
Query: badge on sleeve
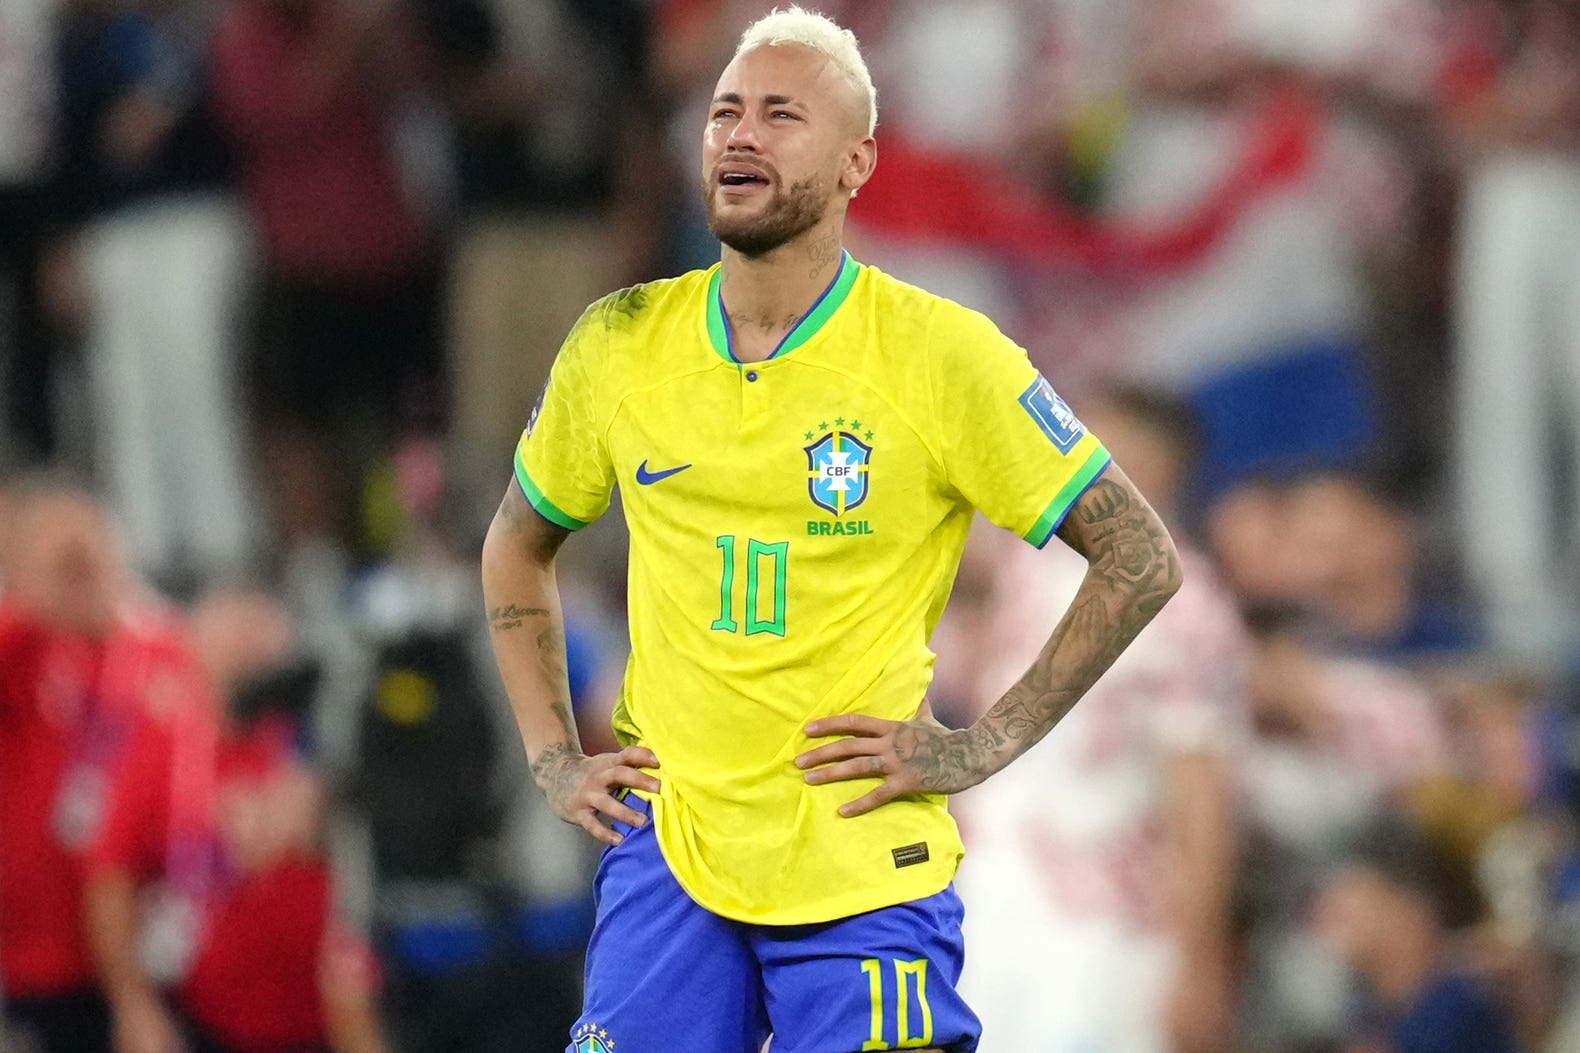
[537, 409]
[1056, 419]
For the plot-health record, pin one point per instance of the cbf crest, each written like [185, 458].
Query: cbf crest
[590, 1038]
[838, 467]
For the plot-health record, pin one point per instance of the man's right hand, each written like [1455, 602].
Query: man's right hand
[580, 789]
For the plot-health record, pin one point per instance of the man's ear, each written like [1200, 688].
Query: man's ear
[859, 165]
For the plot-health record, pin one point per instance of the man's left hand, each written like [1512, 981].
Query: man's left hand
[910, 756]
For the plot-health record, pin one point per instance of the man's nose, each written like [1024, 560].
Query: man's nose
[744, 135]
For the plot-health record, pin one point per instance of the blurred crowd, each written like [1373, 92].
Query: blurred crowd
[280, 281]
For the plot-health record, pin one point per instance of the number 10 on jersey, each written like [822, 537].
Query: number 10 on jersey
[764, 571]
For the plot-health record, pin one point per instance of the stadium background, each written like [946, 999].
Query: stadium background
[284, 300]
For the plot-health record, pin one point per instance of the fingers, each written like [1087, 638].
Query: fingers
[625, 776]
[836, 751]
[881, 794]
[638, 757]
[596, 804]
[606, 806]
[619, 811]
[856, 768]
[603, 804]
[607, 835]
[848, 724]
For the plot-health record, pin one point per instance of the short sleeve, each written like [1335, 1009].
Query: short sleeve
[1010, 446]
[131, 837]
[562, 460]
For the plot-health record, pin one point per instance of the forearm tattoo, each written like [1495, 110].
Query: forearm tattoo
[539, 540]
[1133, 570]
[510, 616]
[551, 662]
[554, 769]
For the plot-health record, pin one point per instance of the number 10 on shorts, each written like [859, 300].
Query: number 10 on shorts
[904, 974]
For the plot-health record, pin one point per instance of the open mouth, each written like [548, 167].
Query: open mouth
[739, 178]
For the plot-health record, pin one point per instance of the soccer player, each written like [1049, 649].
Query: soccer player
[800, 442]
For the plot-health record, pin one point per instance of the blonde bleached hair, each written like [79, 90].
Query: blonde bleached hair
[796, 25]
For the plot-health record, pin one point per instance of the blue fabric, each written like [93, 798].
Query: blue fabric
[1454, 1016]
[584, 658]
[1431, 628]
[1567, 882]
[439, 945]
[557, 926]
[663, 974]
[1306, 408]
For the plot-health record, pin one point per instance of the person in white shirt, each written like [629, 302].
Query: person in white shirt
[1098, 871]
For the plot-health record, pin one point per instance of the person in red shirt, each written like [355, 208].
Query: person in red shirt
[80, 656]
[215, 821]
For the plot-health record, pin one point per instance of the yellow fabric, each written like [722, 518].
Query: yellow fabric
[721, 693]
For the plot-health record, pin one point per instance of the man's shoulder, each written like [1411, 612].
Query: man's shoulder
[892, 298]
[627, 337]
[889, 292]
[638, 309]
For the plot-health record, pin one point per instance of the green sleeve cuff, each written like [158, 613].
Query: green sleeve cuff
[1065, 499]
[540, 503]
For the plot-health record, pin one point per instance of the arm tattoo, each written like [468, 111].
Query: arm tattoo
[554, 769]
[1132, 571]
[540, 538]
[520, 536]
[551, 659]
[510, 616]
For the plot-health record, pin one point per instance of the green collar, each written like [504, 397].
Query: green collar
[821, 311]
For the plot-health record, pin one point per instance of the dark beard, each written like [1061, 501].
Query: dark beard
[791, 214]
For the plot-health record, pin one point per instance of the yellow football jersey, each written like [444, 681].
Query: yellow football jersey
[795, 525]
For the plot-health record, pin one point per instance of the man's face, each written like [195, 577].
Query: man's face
[778, 147]
[64, 566]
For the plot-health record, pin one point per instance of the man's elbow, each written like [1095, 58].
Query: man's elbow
[1173, 570]
[1167, 577]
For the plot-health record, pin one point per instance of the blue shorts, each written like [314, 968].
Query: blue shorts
[664, 975]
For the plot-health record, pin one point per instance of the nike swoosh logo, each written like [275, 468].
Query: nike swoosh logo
[647, 478]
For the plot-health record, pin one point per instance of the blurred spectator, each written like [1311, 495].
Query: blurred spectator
[558, 192]
[1276, 306]
[476, 891]
[1505, 812]
[1389, 911]
[1513, 92]
[1344, 552]
[81, 657]
[952, 80]
[27, 147]
[1097, 880]
[218, 815]
[1338, 742]
[312, 93]
[162, 252]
